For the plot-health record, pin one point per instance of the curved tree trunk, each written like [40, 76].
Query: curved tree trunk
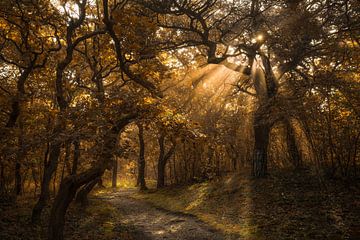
[64, 197]
[82, 195]
[72, 183]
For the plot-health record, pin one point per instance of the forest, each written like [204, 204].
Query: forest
[183, 119]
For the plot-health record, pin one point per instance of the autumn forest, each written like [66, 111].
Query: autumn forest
[184, 119]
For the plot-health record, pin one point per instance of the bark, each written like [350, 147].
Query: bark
[163, 159]
[261, 135]
[44, 194]
[35, 178]
[18, 184]
[2, 179]
[76, 156]
[141, 161]
[50, 167]
[100, 183]
[161, 163]
[82, 195]
[234, 156]
[292, 147]
[13, 117]
[64, 197]
[16, 103]
[174, 169]
[262, 125]
[57, 217]
[67, 157]
[114, 173]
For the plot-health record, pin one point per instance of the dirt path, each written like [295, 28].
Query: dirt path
[154, 223]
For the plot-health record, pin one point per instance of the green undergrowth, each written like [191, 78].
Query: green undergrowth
[282, 206]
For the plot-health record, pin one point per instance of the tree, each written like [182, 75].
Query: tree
[141, 162]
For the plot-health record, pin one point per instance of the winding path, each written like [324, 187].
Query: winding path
[152, 223]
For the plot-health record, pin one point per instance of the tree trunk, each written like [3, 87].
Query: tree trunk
[19, 159]
[100, 183]
[161, 163]
[48, 172]
[18, 178]
[261, 135]
[114, 173]
[76, 156]
[174, 169]
[67, 165]
[16, 102]
[291, 144]
[82, 195]
[161, 174]
[141, 161]
[2, 178]
[72, 183]
[163, 159]
[57, 216]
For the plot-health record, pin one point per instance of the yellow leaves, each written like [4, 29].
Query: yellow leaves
[168, 59]
[345, 113]
[149, 100]
[130, 168]
[170, 118]
[3, 24]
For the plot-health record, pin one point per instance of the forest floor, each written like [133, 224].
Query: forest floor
[282, 206]
[285, 205]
